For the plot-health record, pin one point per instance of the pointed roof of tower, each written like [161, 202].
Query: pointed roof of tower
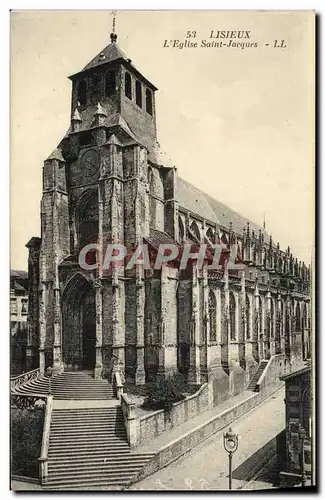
[76, 116]
[113, 140]
[109, 54]
[56, 155]
[100, 110]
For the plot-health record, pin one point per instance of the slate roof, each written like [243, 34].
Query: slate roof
[19, 287]
[157, 238]
[110, 53]
[17, 273]
[198, 202]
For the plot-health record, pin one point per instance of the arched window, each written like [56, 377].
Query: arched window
[232, 316]
[224, 238]
[248, 325]
[109, 83]
[181, 230]
[195, 230]
[303, 316]
[280, 318]
[212, 316]
[87, 219]
[210, 235]
[82, 92]
[128, 86]
[259, 316]
[148, 101]
[138, 93]
[298, 318]
[272, 319]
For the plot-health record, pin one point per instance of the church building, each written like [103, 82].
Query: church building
[108, 181]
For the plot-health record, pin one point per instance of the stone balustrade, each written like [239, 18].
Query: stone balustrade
[23, 378]
[130, 419]
[277, 366]
[30, 402]
[43, 459]
[118, 385]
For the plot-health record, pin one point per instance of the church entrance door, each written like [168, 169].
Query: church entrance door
[79, 325]
[89, 331]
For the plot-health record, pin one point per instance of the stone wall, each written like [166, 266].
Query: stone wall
[150, 426]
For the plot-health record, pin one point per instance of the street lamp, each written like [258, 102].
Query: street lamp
[230, 444]
[302, 435]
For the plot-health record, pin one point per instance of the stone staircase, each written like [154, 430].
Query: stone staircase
[253, 381]
[69, 385]
[88, 449]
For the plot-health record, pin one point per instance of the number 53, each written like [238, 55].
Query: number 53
[191, 34]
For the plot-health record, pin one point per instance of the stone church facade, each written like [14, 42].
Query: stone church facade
[109, 181]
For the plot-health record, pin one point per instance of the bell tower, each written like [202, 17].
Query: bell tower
[125, 95]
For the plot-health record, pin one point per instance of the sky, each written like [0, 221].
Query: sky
[237, 123]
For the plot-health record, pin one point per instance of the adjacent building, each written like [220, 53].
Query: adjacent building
[18, 318]
[294, 445]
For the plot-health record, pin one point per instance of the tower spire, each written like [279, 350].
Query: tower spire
[264, 222]
[113, 34]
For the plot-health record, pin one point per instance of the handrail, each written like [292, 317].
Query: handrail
[262, 376]
[24, 377]
[266, 369]
[43, 459]
[131, 421]
[31, 399]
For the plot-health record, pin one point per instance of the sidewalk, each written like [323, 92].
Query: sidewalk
[205, 466]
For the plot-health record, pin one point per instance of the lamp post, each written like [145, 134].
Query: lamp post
[230, 444]
[302, 435]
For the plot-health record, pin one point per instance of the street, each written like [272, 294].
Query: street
[206, 466]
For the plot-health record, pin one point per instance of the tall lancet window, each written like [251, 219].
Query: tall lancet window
[298, 318]
[138, 93]
[259, 316]
[82, 92]
[128, 86]
[213, 316]
[272, 319]
[232, 315]
[248, 323]
[87, 218]
[148, 101]
[109, 83]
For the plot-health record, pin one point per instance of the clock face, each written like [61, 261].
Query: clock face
[89, 162]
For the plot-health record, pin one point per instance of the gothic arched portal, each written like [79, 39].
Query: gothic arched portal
[79, 324]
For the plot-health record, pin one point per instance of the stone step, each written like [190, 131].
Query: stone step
[79, 426]
[100, 459]
[87, 467]
[98, 429]
[84, 454]
[89, 438]
[75, 447]
[112, 484]
[94, 475]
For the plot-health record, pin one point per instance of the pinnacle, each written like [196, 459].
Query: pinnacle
[113, 140]
[56, 155]
[76, 116]
[100, 110]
